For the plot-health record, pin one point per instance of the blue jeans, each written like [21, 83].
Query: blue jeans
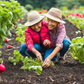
[66, 44]
[25, 52]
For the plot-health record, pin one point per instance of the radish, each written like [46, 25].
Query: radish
[6, 40]
[2, 67]
[14, 23]
[19, 20]
[9, 46]
[15, 33]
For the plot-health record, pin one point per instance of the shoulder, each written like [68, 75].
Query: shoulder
[44, 23]
[27, 29]
[61, 25]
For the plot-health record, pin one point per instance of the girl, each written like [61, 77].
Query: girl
[36, 36]
[58, 36]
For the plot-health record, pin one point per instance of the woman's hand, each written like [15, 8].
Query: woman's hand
[39, 56]
[46, 63]
[46, 42]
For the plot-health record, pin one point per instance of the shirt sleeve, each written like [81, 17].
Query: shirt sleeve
[61, 35]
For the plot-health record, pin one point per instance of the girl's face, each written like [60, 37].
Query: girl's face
[37, 27]
[51, 24]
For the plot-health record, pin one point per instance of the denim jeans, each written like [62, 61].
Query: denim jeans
[25, 52]
[66, 44]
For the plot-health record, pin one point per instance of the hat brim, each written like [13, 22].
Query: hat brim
[34, 22]
[55, 19]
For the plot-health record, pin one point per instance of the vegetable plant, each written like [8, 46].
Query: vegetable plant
[77, 49]
[28, 63]
[2, 67]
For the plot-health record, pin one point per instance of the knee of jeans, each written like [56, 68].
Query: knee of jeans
[23, 46]
[66, 44]
[37, 46]
[21, 51]
[54, 58]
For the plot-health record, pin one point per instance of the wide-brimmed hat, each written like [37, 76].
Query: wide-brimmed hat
[33, 18]
[55, 14]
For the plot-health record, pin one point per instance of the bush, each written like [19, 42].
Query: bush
[29, 7]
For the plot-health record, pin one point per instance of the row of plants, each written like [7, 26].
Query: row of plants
[10, 13]
[76, 17]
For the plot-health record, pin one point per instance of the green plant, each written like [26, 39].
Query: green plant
[29, 7]
[28, 63]
[20, 33]
[77, 49]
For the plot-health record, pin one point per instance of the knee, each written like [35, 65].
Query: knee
[23, 48]
[37, 46]
[66, 43]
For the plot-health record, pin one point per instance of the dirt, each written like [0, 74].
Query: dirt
[69, 73]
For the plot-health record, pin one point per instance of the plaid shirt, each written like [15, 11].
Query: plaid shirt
[58, 36]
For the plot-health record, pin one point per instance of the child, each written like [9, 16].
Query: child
[36, 36]
[58, 36]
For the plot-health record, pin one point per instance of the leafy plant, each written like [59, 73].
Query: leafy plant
[28, 63]
[77, 49]
[20, 33]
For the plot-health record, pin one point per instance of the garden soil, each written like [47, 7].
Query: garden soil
[69, 73]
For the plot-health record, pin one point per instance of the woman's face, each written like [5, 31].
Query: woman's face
[51, 24]
[37, 27]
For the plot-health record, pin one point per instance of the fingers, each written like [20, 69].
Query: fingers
[46, 63]
[39, 56]
[46, 42]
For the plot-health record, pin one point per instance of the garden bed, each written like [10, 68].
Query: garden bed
[70, 73]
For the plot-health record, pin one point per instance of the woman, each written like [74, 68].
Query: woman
[58, 36]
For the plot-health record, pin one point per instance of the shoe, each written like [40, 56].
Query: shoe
[60, 60]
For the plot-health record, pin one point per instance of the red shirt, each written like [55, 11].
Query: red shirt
[32, 36]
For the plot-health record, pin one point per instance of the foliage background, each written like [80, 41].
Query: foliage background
[47, 4]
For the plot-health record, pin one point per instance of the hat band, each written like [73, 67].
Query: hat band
[54, 14]
[33, 19]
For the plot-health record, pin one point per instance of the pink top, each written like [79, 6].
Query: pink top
[58, 36]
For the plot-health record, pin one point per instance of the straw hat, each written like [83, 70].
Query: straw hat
[55, 14]
[33, 18]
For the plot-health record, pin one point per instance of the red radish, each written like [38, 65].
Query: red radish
[15, 33]
[14, 23]
[6, 40]
[9, 46]
[2, 67]
[20, 20]
[40, 12]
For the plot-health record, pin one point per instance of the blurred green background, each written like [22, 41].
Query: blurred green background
[47, 4]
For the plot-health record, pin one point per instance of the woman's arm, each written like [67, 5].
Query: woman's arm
[55, 51]
[47, 61]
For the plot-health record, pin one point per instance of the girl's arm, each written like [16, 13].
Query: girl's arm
[37, 53]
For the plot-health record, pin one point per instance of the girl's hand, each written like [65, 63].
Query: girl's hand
[39, 56]
[46, 63]
[46, 42]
